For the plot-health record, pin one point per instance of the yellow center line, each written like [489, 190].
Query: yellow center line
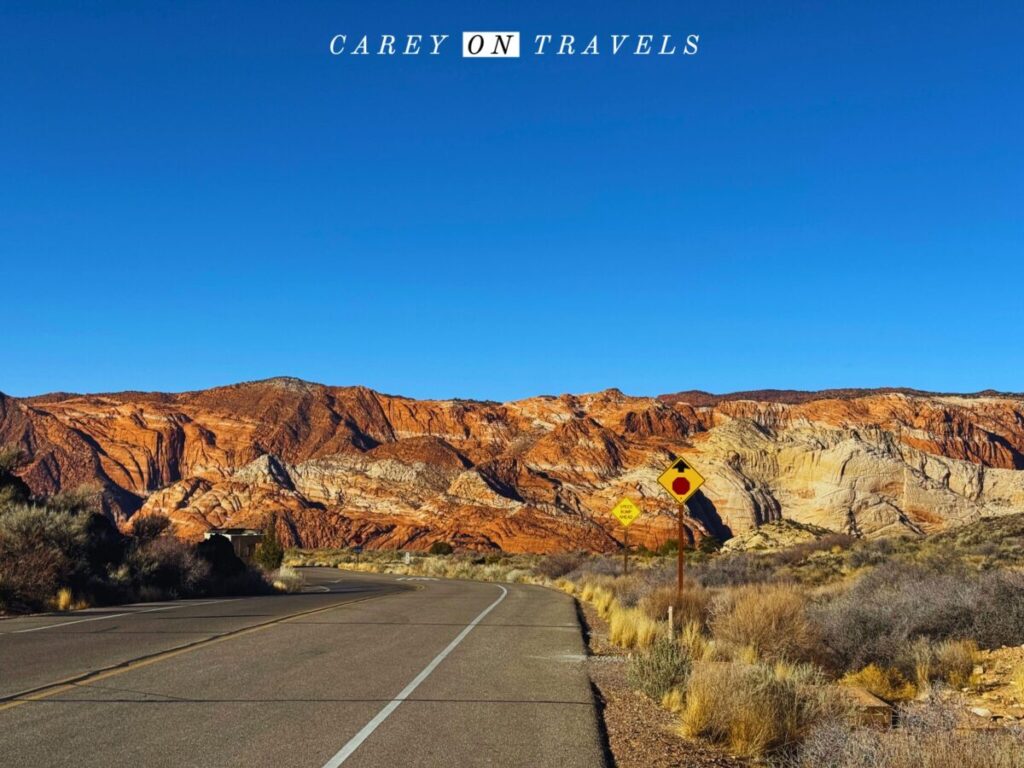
[62, 686]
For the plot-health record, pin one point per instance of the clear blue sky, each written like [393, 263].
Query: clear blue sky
[196, 193]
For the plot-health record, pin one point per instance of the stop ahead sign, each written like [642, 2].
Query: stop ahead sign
[681, 480]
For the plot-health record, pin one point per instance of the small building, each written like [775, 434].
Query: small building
[243, 540]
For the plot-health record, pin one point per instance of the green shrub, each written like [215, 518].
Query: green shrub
[441, 548]
[659, 669]
[269, 552]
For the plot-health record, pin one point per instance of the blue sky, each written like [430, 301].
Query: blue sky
[197, 193]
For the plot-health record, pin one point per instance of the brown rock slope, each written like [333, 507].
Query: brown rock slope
[534, 475]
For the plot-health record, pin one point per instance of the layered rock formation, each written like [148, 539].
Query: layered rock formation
[542, 474]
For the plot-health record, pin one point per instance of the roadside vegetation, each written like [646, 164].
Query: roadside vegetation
[60, 553]
[767, 648]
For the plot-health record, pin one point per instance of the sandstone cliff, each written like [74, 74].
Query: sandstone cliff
[539, 474]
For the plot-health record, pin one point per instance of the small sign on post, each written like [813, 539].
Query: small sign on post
[681, 481]
[626, 512]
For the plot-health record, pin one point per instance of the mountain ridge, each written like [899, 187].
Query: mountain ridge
[536, 474]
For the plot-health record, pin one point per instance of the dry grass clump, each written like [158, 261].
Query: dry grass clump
[695, 643]
[750, 709]
[63, 600]
[1017, 684]
[287, 579]
[884, 682]
[600, 597]
[769, 618]
[952, 661]
[631, 628]
[694, 607]
[674, 700]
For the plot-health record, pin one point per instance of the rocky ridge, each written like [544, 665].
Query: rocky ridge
[540, 474]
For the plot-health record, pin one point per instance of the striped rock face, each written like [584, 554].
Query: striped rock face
[534, 475]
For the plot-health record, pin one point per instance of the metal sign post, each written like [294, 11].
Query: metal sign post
[626, 512]
[681, 481]
[679, 555]
[625, 552]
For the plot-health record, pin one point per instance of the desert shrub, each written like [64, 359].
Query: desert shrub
[659, 669]
[441, 548]
[749, 709]
[149, 527]
[39, 550]
[167, 568]
[799, 552]
[630, 590]
[693, 607]
[709, 545]
[884, 612]
[13, 489]
[928, 738]
[998, 616]
[556, 566]
[771, 619]
[730, 570]
[269, 553]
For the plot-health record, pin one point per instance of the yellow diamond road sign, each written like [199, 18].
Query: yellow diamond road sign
[626, 512]
[681, 480]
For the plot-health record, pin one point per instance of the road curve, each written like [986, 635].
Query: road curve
[357, 671]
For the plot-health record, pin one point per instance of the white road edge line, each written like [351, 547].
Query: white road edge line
[354, 743]
[109, 616]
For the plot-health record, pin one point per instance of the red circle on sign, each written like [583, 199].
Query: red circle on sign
[680, 486]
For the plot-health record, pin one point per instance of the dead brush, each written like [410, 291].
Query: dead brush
[693, 607]
[747, 708]
[770, 618]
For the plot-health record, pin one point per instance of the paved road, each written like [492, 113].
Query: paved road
[357, 671]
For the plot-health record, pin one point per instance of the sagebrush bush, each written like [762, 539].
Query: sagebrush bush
[928, 738]
[556, 566]
[881, 615]
[735, 570]
[770, 618]
[659, 669]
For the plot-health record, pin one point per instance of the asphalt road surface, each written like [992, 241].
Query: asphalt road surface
[357, 670]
